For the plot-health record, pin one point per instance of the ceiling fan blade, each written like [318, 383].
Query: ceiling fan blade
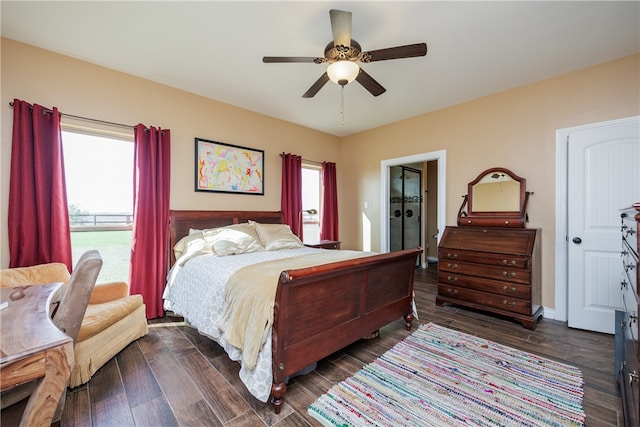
[369, 83]
[398, 52]
[272, 59]
[341, 27]
[316, 86]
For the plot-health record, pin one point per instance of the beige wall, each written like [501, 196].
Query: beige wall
[76, 87]
[513, 129]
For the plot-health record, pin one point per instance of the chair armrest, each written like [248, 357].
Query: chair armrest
[106, 292]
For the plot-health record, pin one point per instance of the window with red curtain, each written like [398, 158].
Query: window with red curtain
[291, 196]
[329, 210]
[38, 217]
[149, 251]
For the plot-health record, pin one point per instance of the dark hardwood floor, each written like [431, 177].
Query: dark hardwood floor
[175, 377]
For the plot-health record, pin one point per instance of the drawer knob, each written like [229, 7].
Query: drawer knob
[510, 304]
[452, 291]
[507, 262]
[509, 289]
[452, 278]
[452, 265]
[509, 274]
[450, 255]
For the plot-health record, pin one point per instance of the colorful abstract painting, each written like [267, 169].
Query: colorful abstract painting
[228, 168]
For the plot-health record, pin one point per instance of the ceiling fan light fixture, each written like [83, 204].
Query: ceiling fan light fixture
[343, 72]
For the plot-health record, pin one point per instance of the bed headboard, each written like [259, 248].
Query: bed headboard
[181, 221]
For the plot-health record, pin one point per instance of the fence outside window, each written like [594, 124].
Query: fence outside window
[109, 233]
[101, 221]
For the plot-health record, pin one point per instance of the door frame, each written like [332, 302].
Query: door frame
[385, 165]
[561, 231]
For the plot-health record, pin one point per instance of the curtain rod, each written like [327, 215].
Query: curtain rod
[104, 122]
[306, 160]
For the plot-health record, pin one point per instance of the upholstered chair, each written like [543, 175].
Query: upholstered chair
[113, 318]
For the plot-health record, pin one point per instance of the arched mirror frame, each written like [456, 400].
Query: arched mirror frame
[516, 218]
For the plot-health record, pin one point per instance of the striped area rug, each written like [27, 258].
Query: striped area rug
[440, 377]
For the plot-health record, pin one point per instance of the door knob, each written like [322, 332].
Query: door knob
[577, 240]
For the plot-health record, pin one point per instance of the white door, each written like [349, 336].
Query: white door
[603, 176]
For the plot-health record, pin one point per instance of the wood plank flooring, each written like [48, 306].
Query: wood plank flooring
[175, 377]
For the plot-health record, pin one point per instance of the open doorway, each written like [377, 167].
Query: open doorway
[431, 209]
[405, 207]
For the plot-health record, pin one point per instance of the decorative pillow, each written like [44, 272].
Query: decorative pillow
[186, 242]
[277, 236]
[233, 240]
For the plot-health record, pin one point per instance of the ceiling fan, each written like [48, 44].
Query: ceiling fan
[343, 55]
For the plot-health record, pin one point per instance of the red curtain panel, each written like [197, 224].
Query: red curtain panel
[329, 203]
[149, 248]
[291, 197]
[38, 217]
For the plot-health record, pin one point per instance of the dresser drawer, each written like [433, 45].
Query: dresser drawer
[630, 324]
[629, 297]
[508, 274]
[629, 273]
[630, 390]
[484, 299]
[507, 260]
[509, 289]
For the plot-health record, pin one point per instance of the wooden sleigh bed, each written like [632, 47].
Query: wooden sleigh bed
[319, 310]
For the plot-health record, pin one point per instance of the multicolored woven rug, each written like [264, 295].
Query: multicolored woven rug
[440, 377]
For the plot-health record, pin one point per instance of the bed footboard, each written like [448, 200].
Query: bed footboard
[319, 310]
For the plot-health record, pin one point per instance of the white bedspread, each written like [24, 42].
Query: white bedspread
[196, 291]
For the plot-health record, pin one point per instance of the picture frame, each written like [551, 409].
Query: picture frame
[228, 168]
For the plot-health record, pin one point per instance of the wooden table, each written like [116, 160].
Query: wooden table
[32, 348]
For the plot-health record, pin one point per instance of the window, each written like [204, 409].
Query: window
[311, 191]
[99, 179]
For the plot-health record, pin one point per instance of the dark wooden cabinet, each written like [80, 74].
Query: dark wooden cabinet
[491, 269]
[627, 344]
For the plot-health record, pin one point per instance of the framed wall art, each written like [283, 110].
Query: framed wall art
[228, 168]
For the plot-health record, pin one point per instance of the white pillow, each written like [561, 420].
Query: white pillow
[277, 236]
[233, 240]
[186, 242]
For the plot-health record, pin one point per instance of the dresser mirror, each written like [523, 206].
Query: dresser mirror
[496, 198]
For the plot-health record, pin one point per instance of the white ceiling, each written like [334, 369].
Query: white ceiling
[215, 49]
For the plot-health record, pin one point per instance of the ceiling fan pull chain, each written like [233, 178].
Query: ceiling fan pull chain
[342, 103]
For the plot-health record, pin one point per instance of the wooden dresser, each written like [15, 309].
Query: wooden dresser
[627, 344]
[491, 269]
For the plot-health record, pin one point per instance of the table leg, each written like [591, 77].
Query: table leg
[44, 400]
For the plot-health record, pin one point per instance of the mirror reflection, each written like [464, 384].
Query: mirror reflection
[496, 192]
